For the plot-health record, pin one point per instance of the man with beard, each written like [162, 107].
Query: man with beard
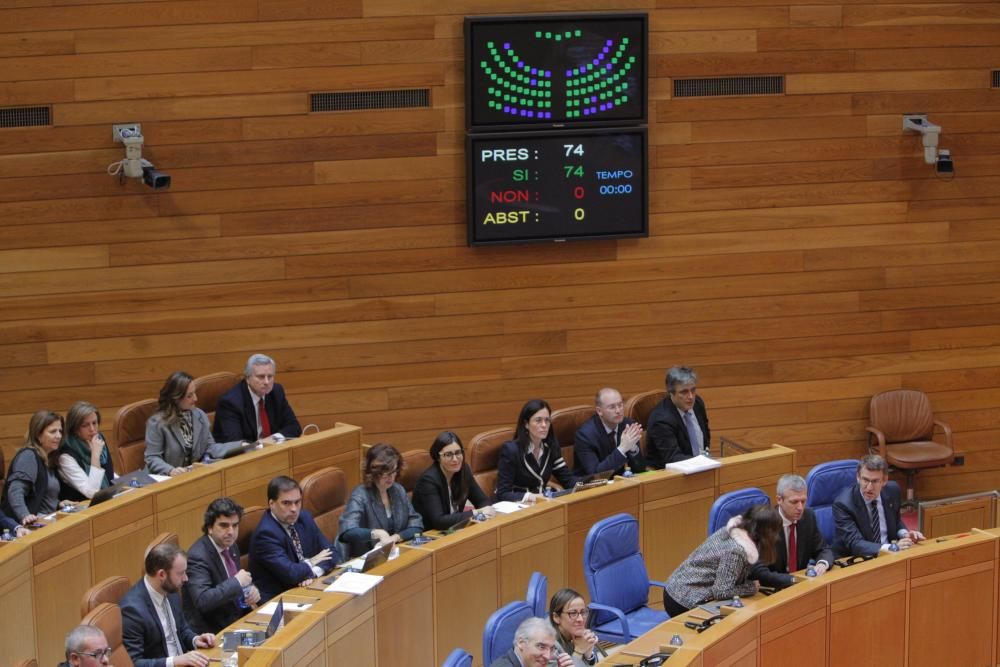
[154, 630]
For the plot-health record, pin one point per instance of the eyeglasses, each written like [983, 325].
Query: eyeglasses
[457, 454]
[103, 654]
[577, 613]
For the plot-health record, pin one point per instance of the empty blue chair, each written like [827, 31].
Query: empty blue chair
[538, 593]
[498, 635]
[825, 482]
[618, 582]
[458, 658]
[733, 504]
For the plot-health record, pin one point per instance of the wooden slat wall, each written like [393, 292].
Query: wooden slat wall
[801, 255]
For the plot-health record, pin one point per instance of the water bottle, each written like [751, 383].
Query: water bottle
[548, 492]
[737, 602]
[243, 599]
[628, 472]
[7, 535]
[811, 568]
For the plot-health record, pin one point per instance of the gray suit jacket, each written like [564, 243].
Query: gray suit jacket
[365, 512]
[508, 659]
[164, 450]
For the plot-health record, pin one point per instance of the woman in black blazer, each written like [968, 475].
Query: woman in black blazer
[441, 492]
[378, 511]
[532, 457]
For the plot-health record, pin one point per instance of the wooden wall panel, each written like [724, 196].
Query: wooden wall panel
[801, 255]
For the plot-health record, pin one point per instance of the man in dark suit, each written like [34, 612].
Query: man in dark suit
[153, 627]
[677, 428]
[608, 440]
[867, 514]
[534, 646]
[238, 416]
[799, 541]
[217, 591]
[288, 548]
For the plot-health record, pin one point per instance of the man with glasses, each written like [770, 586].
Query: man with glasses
[86, 645]
[677, 428]
[288, 549]
[534, 646]
[608, 440]
[867, 514]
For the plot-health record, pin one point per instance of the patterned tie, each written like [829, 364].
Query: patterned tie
[265, 423]
[876, 525]
[230, 563]
[173, 645]
[694, 432]
[296, 542]
[793, 551]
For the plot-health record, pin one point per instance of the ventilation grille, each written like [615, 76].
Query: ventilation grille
[361, 100]
[996, 78]
[24, 116]
[730, 85]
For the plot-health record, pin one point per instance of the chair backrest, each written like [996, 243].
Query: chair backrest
[639, 406]
[324, 494]
[415, 462]
[538, 594]
[498, 635]
[484, 454]
[128, 445]
[903, 415]
[823, 484]
[108, 617]
[162, 538]
[613, 566]
[210, 389]
[251, 517]
[458, 658]
[110, 590]
[565, 423]
[733, 504]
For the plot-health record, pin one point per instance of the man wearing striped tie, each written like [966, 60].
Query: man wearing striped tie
[677, 428]
[867, 513]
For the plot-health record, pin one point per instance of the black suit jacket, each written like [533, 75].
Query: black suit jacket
[508, 659]
[518, 473]
[852, 518]
[211, 596]
[667, 438]
[142, 633]
[236, 419]
[809, 545]
[430, 498]
[596, 450]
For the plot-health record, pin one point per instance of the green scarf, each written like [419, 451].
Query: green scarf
[80, 451]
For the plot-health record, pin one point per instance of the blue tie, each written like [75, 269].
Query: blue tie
[694, 432]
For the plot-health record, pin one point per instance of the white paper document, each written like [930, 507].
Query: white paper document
[269, 608]
[355, 583]
[508, 507]
[693, 465]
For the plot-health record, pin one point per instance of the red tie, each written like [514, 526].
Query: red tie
[265, 423]
[793, 552]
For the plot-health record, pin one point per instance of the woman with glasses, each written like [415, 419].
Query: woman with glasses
[378, 511]
[529, 460]
[568, 613]
[444, 489]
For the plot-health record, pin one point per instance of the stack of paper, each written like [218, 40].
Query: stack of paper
[355, 583]
[693, 465]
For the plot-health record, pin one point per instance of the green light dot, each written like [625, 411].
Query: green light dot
[548, 35]
[538, 33]
[579, 33]
[558, 38]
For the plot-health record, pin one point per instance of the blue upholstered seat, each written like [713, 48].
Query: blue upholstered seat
[538, 591]
[498, 635]
[733, 504]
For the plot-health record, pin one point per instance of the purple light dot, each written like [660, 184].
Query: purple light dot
[506, 45]
[523, 112]
[604, 107]
[569, 72]
[586, 112]
[534, 82]
[547, 73]
[531, 114]
[608, 67]
[596, 61]
[534, 70]
[607, 43]
[600, 56]
[506, 108]
[521, 64]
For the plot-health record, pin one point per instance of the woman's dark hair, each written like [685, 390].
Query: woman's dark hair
[171, 394]
[459, 481]
[382, 458]
[559, 600]
[762, 523]
[78, 412]
[40, 421]
[521, 431]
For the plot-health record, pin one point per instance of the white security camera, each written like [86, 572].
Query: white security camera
[134, 165]
[930, 135]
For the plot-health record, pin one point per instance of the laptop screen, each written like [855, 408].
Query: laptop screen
[279, 613]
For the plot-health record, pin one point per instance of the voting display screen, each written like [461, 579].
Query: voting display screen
[535, 186]
[555, 70]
